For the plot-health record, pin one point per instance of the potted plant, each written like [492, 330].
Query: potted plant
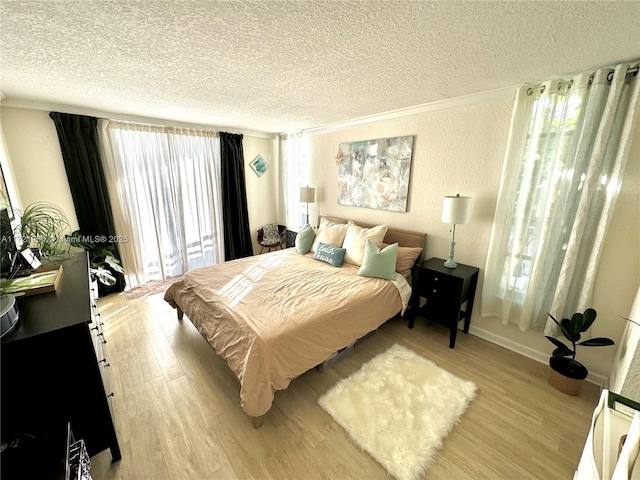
[42, 227]
[565, 373]
[102, 261]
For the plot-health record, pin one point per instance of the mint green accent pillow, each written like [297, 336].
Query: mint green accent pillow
[379, 263]
[329, 254]
[304, 239]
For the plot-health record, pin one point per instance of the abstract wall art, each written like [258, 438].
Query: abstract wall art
[259, 165]
[375, 173]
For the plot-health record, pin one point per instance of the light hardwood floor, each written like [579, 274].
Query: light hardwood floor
[178, 416]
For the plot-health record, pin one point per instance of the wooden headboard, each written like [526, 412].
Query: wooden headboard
[404, 238]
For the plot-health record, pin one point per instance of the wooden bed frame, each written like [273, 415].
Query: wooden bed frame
[404, 238]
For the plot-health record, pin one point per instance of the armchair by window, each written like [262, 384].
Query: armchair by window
[271, 237]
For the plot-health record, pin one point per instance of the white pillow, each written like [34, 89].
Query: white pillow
[329, 233]
[356, 239]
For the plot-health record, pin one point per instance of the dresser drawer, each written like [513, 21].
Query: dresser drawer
[99, 346]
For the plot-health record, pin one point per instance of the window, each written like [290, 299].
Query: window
[567, 148]
[294, 171]
[168, 191]
[544, 168]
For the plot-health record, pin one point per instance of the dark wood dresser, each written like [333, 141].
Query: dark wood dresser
[54, 371]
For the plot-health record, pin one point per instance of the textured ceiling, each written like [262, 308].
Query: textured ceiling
[273, 66]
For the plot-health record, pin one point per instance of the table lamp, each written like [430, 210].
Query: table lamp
[455, 210]
[307, 195]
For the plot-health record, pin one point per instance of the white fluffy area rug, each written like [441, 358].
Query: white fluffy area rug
[399, 407]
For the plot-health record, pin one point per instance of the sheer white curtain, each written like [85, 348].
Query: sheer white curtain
[567, 149]
[165, 189]
[293, 175]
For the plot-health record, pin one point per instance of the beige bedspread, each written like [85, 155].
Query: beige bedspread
[272, 317]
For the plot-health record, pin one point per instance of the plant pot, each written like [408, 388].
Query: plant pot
[566, 375]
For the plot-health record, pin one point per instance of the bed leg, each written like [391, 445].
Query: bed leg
[258, 421]
[180, 313]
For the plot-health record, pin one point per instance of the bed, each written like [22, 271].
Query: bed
[274, 316]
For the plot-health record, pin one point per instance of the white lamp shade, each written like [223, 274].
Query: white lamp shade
[307, 194]
[456, 209]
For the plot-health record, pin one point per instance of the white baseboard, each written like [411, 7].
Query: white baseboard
[532, 353]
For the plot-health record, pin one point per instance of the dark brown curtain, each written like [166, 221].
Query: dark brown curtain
[80, 147]
[235, 217]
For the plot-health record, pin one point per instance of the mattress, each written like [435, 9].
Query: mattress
[274, 316]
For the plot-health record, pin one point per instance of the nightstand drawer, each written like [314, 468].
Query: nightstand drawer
[436, 287]
[435, 284]
[446, 291]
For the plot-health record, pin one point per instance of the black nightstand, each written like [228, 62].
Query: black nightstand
[291, 238]
[446, 290]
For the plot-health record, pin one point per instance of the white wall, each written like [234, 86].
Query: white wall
[461, 150]
[37, 169]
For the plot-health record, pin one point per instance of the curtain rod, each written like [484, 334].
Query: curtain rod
[630, 71]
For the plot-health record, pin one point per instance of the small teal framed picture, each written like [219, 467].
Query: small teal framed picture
[259, 165]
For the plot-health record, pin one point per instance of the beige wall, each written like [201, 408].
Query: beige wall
[38, 172]
[461, 150]
[457, 150]
[36, 160]
[625, 373]
[261, 191]
[7, 172]
[618, 276]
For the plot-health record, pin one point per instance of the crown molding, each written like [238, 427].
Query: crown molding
[122, 117]
[481, 98]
